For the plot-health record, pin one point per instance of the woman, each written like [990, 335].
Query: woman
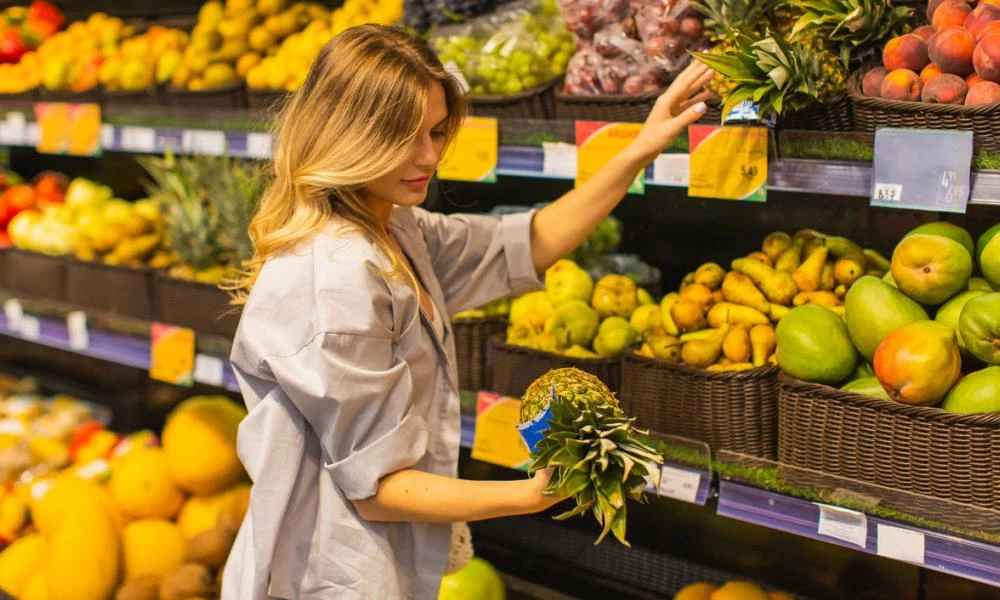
[344, 353]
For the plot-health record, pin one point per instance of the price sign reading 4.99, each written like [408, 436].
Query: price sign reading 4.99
[472, 155]
[729, 163]
[922, 169]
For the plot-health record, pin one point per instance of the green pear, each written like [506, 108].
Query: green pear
[613, 336]
[565, 281]
[573, 323]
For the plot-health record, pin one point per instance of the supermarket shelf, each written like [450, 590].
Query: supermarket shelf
[104, 345]
[949, 554]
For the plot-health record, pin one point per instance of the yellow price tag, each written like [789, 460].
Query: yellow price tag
[729, 163]
[64, 128]
[472, 155]
[171, 354]
[598, 142]
[497, 440]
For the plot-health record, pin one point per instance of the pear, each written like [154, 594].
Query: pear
[579, 352]
[548, 342]
[710, 275]
[706, 350]
[700, 294]
[775, 245]
[808, 275]
[761, 257]
[565, 281]
[778, 286]
[573, 323]
[735, 314]
[876, 260]
[687, 315]
[666, 318]
[644, 297]
[849, 269]
[666, 348]
[520, 335]
[613, 336]
[531, 309]
[647, 320]
[790, 258]
[739, 289]
[762, 343]
[614, 295]
[823, 298]
[777, 311]
[736, 345]
[826, 280]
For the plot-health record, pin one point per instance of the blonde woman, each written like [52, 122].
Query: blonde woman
[344, 353]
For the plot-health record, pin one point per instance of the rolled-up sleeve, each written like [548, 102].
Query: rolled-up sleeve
[479, 258]
[355, 393]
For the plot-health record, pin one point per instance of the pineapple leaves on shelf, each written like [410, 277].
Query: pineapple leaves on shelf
[850, 26]
[597, 455]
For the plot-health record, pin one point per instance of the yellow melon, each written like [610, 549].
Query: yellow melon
[199, 440]
[152, 547]
[141, 486]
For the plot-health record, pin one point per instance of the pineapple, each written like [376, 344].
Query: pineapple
[597, 455]
[854, 26]
[725, 18]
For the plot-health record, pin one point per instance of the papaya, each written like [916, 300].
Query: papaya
[979, 326]
[931, 268]
[869, 386]
[873, 309]
[951, 310]
[918, 363]
[814, 345]
[948, 230]
[977, 392]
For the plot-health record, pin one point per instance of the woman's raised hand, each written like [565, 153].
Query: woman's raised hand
[680, 105]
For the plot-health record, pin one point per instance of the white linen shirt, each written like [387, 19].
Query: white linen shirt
[346, 381]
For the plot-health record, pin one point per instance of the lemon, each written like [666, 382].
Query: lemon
[278, 76]
[219, 74]
[152, 547]
[141, 487]
[246, 62]
[211, 13]
[257, 77]
[197, 84]
[271, 7]
[261, 38]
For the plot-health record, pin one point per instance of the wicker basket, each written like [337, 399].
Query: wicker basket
[115, 290]
[149, 97]
[515, 367]
[734, 410]
[536, 103]
[921, 450]
[872, 113]
[619, 108]
[833, 114]
[232, 96]
[472, 344]
[92, 95]
[199, 306]
[34, 274]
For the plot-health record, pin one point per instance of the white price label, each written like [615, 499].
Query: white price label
[559, 159]
[138, 139]
[901, 544]
[846, 525]
[14, 313]
[107, 136]
[12, 129]
[31, 134]
[31, 328]
[679, 484]
[672, 169]
[887, 192]
[259, 145]
[208, 143]
[76, 326]
[208, 369]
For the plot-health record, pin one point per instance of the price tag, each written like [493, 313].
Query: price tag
[76, 326]
[559, 160]
[171, 355]
[31, 328]
[208, 369]
[68, 128]
[138, 139]
[497, 440]
[107, 136]
[473, 154]
[679, 484]
[729, 163]
[14, 313]
[454, 70]
[922, 169]
[259, 145]
[208, 143]
[598, 142]
[846, 525]
[12, 129]
[901, 544]
[672, 169]
[31, 134]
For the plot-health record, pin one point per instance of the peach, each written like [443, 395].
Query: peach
[980, 17]
[951, 13]
[872, 83]
[905, 52]
[945, 89]
[901, 84]
[994, 3]
[985, 92]
[932, 7]
[990, 27]
[987, 57]
[952, 49]
[973, 79]
[924, 32]
[930, 72]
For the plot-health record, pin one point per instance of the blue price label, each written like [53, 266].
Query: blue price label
[534, 430]
[922, 169]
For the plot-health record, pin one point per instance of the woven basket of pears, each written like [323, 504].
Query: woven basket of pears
[917, 455]
[515, 367]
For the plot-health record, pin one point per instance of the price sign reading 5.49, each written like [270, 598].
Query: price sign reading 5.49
[472, 155]
[729, 163]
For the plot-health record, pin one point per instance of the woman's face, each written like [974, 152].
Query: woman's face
[406, 185]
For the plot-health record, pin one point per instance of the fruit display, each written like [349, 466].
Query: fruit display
[206, 204]
[576, 317]
[47, 189]
[629, 48]
[280, 64]
[731, 590]
[143, 61]
[517, 49]
[725, 320]
[951, 61]
[158, 521]
[91, 224]
[597, 456]
[911, 335]
[498, 309]
[24, 28]
[70, 60]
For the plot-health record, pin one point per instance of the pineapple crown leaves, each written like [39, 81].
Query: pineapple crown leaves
[599, 458]
[777, 73]
[852, 24]
[724, 19]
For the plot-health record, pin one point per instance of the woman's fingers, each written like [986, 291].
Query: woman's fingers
[702, 97]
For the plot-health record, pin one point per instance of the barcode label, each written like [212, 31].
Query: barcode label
[31, 328]
[259, 145]
[672, 169]
[846, 525]
[14, 313]
[138, 139]
[208, 369]
[887, 192]
[901, 544]
[208, 143]
[679, 484]
[76, 325]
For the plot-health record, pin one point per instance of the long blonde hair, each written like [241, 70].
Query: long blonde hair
[355, 119]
